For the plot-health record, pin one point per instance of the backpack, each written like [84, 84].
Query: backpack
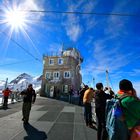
[115, 120]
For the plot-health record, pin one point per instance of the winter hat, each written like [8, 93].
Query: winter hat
[125, 85]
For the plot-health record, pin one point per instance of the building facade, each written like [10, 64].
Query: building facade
[61, 73]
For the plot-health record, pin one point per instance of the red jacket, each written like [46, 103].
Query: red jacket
[6, 92]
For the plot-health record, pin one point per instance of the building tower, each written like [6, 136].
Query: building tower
[61, 73]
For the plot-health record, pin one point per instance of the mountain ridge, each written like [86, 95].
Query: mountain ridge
[21, 82]
[21, 76]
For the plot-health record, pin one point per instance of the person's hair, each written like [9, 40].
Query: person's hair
[99, 86]
[125, 85]
[91, 89]
[134, 93]
[86, 86]
[30, 85]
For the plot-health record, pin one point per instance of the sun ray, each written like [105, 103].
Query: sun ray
[31, 42]
[13, 16]
[17, 21]
[7, 41]
[12, 19]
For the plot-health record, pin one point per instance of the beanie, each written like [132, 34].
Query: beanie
[125, 85]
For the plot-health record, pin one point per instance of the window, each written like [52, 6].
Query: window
[51, 61]
[67, 74]
[52, 91]
[46, 88]
[60, 61]
[56, 75]
[72, 74]
[48, 75]
[65, 88]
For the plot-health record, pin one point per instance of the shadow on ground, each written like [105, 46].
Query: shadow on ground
[3, 108]
[33, 133]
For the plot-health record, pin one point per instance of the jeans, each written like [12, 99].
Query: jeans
[88, 113]
[26, 108]
[101, 132]
[5, 102]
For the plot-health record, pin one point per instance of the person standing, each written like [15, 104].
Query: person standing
[70, 95]
[87, 99]
[16, 94]
[81, 94]
[6, 94]
[12, 95]
[131, 108]
[29, 97]
[100, 105]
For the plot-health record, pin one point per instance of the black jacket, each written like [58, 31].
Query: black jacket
[100, 99]
[28, 95]
[82, 91]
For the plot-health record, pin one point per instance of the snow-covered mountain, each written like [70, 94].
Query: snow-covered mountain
[21, 82]
[21, 78]
[2, 84]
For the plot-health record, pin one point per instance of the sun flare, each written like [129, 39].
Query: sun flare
[15, 19]
[17, 22]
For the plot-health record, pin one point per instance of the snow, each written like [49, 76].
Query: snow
[21, 83]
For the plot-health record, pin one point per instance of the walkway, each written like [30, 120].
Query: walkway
[50, 119]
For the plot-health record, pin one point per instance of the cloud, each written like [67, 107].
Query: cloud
[105, 57]
[87, 8]
[74, 31]
[26, 5]
[90, 6]
[109, 57]
[72, 24]
[54, 49]
[136, 71]
[115, 25]
[73, 28]
[107, 50]
[9, 74]
[91, 24]
[32, 5]
[6, 60]
[89, 40]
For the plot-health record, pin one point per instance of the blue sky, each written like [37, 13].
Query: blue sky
[105, 42]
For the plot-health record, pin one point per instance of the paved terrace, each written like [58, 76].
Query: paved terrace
[50, 119]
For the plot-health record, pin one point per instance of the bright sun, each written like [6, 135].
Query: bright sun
[16, 19]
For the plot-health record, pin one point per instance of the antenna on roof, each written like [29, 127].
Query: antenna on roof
[62, 49]
[107, 79]
[6, 83]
